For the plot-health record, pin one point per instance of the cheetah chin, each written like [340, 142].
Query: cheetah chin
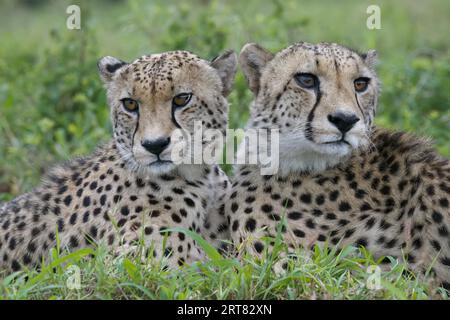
[160, 167]
[302, 155]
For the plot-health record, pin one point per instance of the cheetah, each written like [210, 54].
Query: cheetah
[129, 190]
[341, 180]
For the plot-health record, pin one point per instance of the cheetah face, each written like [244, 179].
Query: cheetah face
[321, 97]
[155, 95]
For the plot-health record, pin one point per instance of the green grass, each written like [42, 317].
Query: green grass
[318, 274]
[52, 107]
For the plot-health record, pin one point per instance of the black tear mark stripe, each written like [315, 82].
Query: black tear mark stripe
[135, 130]
[308, 128]
[360, 109]
[174, 120]
[280, 94]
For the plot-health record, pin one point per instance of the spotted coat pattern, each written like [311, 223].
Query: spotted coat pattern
[113, 197]
[391, 197]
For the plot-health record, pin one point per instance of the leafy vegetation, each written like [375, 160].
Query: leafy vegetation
[318, 274]
[52, 107]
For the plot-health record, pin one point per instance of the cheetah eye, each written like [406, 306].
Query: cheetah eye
[181, 99]
[361, 84]
[306, 80]
[130, 104]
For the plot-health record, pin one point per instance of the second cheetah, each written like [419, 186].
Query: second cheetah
[341, 180]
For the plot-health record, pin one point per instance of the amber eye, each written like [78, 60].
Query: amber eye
[130, 104]
[181, 99]
[306, 80]
[361, 84]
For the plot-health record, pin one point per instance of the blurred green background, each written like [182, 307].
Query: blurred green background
[52, 104]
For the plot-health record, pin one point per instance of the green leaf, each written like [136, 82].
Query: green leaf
[210, 251]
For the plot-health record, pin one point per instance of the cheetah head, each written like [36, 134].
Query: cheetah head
[156, 94]
[322, 99]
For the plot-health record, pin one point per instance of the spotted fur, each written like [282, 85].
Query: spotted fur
[387, 191]
[121, 194]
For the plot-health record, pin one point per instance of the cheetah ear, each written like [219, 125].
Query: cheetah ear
[252, 60]
[226, 66]
[370, 58]
[108, 66]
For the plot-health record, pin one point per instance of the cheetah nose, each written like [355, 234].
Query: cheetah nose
[343, 121]
[156, 146]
